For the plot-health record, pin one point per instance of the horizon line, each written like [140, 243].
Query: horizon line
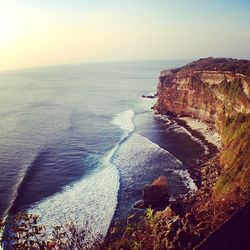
[95, 62]
[111, 61]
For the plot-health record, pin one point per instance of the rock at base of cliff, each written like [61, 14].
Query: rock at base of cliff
[155, 194]
[149, 96]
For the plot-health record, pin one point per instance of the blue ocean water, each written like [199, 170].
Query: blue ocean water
[79, 142]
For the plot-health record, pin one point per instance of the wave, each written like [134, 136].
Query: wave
[180, 129]
[89, 205]
[163, 118]
[187, 180]
[139, 161]
[124, 120]
[92, 201]
[20, 178]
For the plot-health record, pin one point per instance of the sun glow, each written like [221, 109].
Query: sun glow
[34, 33]
[7, 30]
[4, 31]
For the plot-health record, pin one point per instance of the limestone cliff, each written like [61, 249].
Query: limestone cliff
[216, 91]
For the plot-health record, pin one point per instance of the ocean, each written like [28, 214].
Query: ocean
[78, 142]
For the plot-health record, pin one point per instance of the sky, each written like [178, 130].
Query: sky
[47, 32]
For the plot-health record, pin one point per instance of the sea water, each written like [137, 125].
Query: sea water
[78, 142]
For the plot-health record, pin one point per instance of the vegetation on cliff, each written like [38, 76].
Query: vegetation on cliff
[235, 157]
[24, 231]
[233, 90]
[218, 64]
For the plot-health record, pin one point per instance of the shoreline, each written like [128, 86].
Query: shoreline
[195, 170]
[201, 208]
[209, 133]
[222, 165]
[205, 174]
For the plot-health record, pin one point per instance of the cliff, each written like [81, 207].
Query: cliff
[216, 91]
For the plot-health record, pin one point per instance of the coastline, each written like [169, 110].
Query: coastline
[185, 93]
[194, 170]
[202, 131]
[196, 205]
[208, 131]
[208, 168]
[188, 211]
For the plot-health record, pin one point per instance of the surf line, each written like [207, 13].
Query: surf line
[102, 197]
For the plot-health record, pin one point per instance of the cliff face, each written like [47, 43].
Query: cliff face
[203, 94]
[216, 91]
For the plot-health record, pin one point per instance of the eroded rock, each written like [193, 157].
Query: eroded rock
[155, 194]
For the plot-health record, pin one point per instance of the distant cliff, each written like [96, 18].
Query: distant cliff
[215, 90]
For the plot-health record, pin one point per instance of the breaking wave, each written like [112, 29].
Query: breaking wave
[85, 202]
[89, 205]
[124, 120]
[139, 161]
[180, 129]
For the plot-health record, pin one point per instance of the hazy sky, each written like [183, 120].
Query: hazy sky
[41, 32]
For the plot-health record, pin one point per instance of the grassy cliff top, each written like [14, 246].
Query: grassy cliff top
[217, 64]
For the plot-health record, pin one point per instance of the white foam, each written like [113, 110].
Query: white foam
[188, 181]
[163, 118]
[180, 129]
[89, 203]
[92, 201]
[211, 135]
[138, 156]
[146, 103]
[124, 120]
[142, 149]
